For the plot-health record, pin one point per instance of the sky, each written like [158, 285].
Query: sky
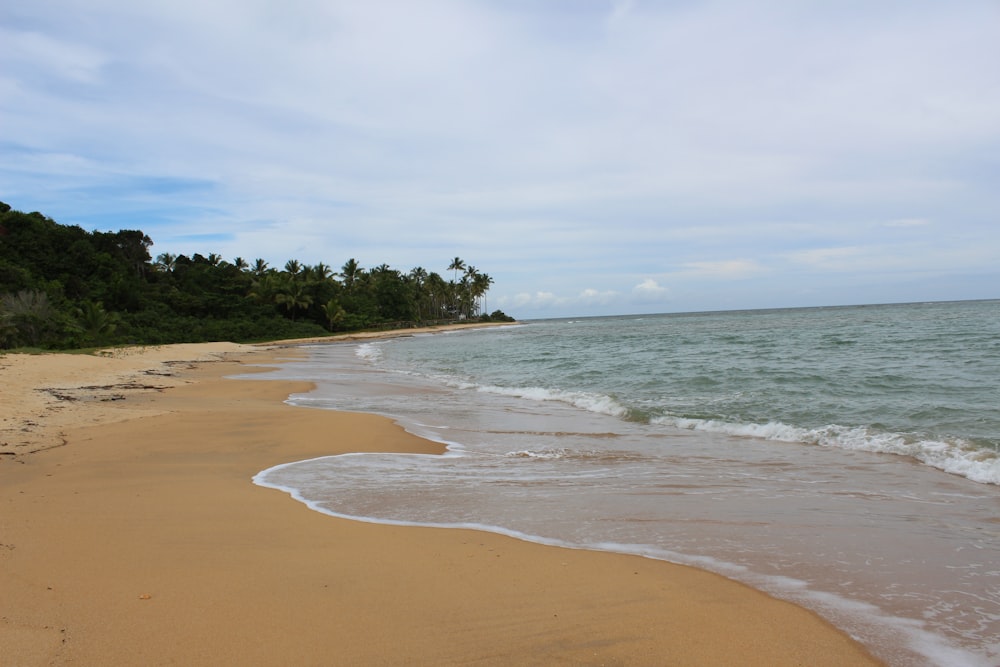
[593, 157]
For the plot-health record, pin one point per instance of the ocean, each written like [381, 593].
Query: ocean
[846, 459]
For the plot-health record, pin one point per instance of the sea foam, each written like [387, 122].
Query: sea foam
[958, 458]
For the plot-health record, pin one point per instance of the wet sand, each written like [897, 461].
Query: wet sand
[130, 534]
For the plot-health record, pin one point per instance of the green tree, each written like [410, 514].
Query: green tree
[62, 286]
[456, 265]
[437, 294]
[480, 286]
[334, 313]
[133, 246]
[259, 267]
[455, 306]
[264, 288]
[165, 262]
[319, 272]
[351, 273]
[294, 297]
[96, 323]
[418, 277]
[28, 318]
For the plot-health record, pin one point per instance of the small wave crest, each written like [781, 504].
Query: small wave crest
[605, 456]
[958, 457]
[605, 405]
[371, 352]
[542, 455]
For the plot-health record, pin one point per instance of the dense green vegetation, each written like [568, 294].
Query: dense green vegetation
[64, 287]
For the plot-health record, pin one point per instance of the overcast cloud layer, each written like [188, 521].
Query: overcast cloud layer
[593, 157]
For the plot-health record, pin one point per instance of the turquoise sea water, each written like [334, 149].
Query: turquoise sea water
[842, 458]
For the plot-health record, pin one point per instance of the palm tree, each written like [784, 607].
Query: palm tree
[293, 297]
[480, 286]
[334, 313]
[259, 267]
[321, 271]
[165, 262]
[95, 321]
[293, 266]
[265, 287]
[457, 265]
[351, 272]
[469, 300]
[437, 290]
[240, 264]
[418, 275]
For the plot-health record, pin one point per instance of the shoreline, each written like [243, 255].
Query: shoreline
[142, 540]
[41, 401]
[389, 333]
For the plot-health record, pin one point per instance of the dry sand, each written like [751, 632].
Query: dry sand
[130, 534]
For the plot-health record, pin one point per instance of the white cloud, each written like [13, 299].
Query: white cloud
[540, 300]
[588, 297]
[649, 290]
[593, 297]
[564, 148]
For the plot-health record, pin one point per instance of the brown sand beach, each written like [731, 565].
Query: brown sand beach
[131, 534]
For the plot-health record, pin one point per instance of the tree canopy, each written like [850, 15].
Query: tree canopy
[64, 287]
